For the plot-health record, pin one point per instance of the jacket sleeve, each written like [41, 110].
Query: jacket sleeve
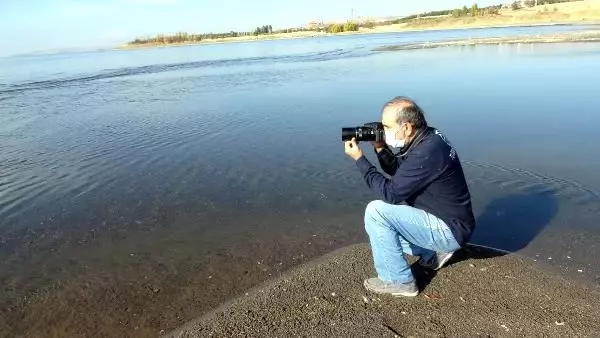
[414, 174]
[387, 161]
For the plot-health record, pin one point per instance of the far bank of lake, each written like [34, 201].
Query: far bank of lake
[576, 36]
[569, 13]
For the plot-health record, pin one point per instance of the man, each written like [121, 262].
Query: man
[425, 209]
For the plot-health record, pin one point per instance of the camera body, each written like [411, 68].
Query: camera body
[372, 131]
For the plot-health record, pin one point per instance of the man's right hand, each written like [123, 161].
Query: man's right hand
[379, 146]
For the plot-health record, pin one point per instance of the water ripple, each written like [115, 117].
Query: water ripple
[160, 68]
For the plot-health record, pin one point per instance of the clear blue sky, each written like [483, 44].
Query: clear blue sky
[36, 25]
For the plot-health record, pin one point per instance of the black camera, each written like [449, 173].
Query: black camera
[369, 132]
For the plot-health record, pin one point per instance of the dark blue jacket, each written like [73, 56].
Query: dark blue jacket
[429, 177]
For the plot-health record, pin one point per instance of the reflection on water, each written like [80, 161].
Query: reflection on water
[151, 185]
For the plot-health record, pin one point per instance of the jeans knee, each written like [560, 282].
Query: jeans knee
[373, 215]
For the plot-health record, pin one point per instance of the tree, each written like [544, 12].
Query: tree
[350, 27]
[515, 6]
[530, 3]
[335, 28]
[474, 10]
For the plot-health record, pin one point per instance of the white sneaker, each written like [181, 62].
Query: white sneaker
[436, 261]
[395, 289]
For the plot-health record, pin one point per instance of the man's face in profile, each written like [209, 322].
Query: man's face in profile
[388, 119]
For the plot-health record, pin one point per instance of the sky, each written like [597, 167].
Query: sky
[45, 25]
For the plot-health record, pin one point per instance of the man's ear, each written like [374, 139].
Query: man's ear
[411, 130]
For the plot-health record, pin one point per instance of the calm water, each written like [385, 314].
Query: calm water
[147, 186]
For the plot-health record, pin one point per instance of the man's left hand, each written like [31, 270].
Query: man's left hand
[352, 149]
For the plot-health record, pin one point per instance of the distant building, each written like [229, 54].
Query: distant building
[320, 24]
[315, 24]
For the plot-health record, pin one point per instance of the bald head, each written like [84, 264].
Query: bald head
[403, 110]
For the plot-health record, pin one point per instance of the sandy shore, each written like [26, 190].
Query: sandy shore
[480, 293]
[591, 36]
[578, 12]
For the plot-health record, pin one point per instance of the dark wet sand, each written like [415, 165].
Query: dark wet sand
[578, 36]
[480, 293]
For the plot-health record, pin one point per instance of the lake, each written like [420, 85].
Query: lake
[141, 188]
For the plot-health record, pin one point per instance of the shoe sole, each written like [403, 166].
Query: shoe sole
[396, 294]
[443, 262]
[413, 294]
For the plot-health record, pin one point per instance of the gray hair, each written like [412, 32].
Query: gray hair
[407, 110]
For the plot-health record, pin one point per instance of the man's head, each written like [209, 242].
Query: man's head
[402, 118]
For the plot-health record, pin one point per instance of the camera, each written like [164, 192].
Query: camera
[372, 131]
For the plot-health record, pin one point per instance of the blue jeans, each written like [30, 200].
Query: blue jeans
[397, 229]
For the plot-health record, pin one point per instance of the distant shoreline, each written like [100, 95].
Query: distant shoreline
[579, 36]
[568, 13]
[308, 35]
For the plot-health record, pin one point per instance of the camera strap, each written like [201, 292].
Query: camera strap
[421, 133]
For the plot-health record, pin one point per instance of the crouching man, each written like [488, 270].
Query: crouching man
[425, 207]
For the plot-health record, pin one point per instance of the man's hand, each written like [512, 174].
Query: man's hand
[352, 149]
[379, 146]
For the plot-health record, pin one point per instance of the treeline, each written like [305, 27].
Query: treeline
[187, 37]
[263, 30]
[426, 14]
[476, 11]
[532, 3]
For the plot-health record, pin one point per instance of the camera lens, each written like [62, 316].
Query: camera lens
[349, 133]
[369, 132]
